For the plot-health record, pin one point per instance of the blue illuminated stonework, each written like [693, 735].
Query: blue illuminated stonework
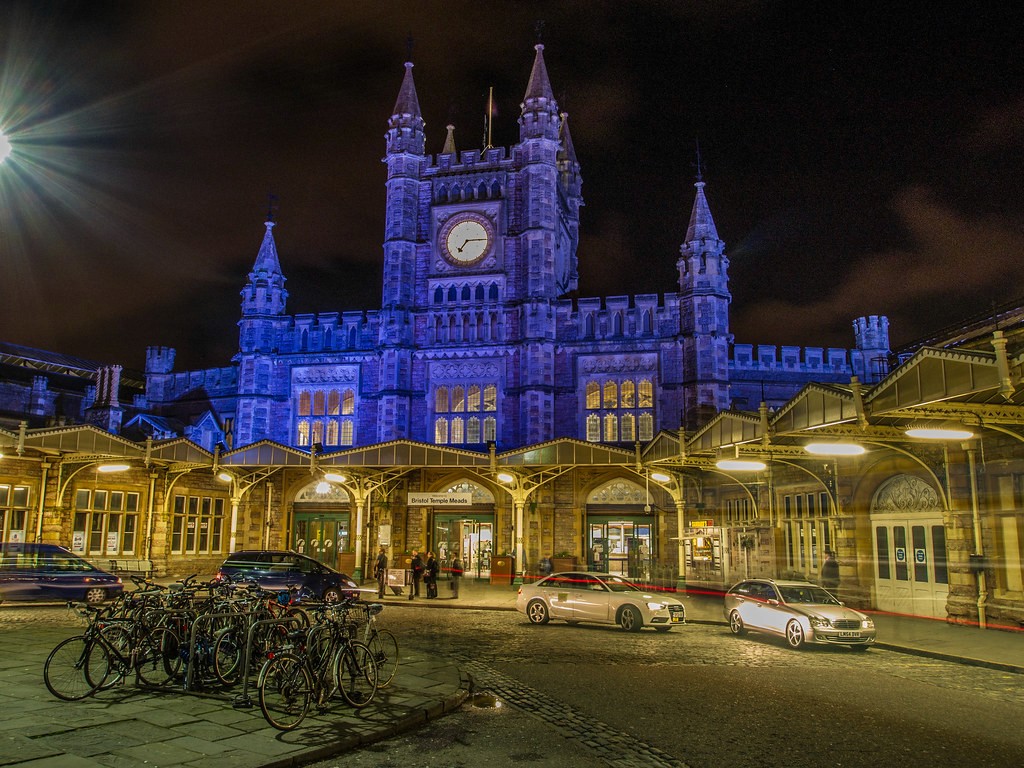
[474, 341]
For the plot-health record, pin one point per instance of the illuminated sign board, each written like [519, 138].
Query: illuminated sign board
[439, 499]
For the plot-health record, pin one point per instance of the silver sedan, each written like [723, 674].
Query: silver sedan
[799, 611]
[598, 597]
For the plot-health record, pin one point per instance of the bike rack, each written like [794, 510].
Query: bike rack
[242, 700]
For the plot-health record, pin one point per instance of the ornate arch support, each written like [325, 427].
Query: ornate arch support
[905, 493]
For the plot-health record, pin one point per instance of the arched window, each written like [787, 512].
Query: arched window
[318, 405]
[645, 322]
[646, 394]
[490, 398]
[490, 429]
[611, 428]
[442, 194]
[441, 400]
[593, 395]
[333, 402]
[466, 295]
[495, 190]
[328, 339]
[479, 293]
[473, 430]
[332, 433]
[352, 337]
[458, 430]
[317, 435]
[588, 326]
[473, 398]
[458, 400]
[611, 395]
[593, 428]
[441, 431]
[492, 292]
[628, 394]
[303, 432]
[304, 340]
[348, 402]
[438, 295]
[617, 324]
[481, 191]
[628, 428]
[304, 403]
[453, 293]
[438, 329]
[347, 432]
[646, 426]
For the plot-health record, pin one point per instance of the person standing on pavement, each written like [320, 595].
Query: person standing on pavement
[380, 571]
[431, 576]
[830, 571]
[417, 573]
[456, 573]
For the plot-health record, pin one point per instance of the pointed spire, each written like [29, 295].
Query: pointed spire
[449, 141]
[407, 103]
[266, 260]
[702, 226]
[567, 150]
[539, 86]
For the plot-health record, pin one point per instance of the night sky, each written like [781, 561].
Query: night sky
[860, 158]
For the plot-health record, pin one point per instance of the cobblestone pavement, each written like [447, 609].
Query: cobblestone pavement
[552, 674]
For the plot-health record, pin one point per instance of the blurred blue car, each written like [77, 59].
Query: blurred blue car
[49, 572]
[284, 569]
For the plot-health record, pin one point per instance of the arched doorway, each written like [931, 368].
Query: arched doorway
[467, 531]
[321, 528]
[621, 530]
[909, 545]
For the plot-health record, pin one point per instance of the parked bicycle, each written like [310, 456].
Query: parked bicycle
[106, 653]
[322, 661]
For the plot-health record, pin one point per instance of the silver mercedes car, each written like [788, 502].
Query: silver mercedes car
[799, 611]
[598, 597]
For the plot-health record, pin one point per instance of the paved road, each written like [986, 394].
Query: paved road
[697, 696]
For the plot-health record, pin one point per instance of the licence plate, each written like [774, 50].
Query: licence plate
[849, 634]
[676, 619]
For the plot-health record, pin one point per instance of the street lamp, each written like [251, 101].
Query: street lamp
[835, 449]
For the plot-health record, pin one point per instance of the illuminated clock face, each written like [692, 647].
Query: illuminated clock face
[466, 239]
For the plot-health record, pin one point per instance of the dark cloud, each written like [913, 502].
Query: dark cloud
[859, 160]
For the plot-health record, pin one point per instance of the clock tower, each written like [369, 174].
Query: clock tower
[480, 246]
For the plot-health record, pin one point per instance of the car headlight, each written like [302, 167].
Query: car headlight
[656, 607]
[819, 621]
[867, 624]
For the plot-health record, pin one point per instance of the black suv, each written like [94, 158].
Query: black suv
[279, 569]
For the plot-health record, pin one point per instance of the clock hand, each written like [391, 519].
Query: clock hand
[472, 240]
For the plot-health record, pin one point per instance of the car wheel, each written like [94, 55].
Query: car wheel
[537, 612]
[332, 595]
[629, 619]
[736, 623]
[95, 595]
[794, 634]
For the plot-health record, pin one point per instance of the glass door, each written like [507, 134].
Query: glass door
[321, 537]
[470, 538]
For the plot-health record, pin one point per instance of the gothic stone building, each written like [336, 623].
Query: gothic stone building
[480, 411]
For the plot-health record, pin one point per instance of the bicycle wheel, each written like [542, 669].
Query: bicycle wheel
[65, 669]
[158, 657]
[120, 639]
[384, 646]
[285, 691]
[356, 673]
[227, 657]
